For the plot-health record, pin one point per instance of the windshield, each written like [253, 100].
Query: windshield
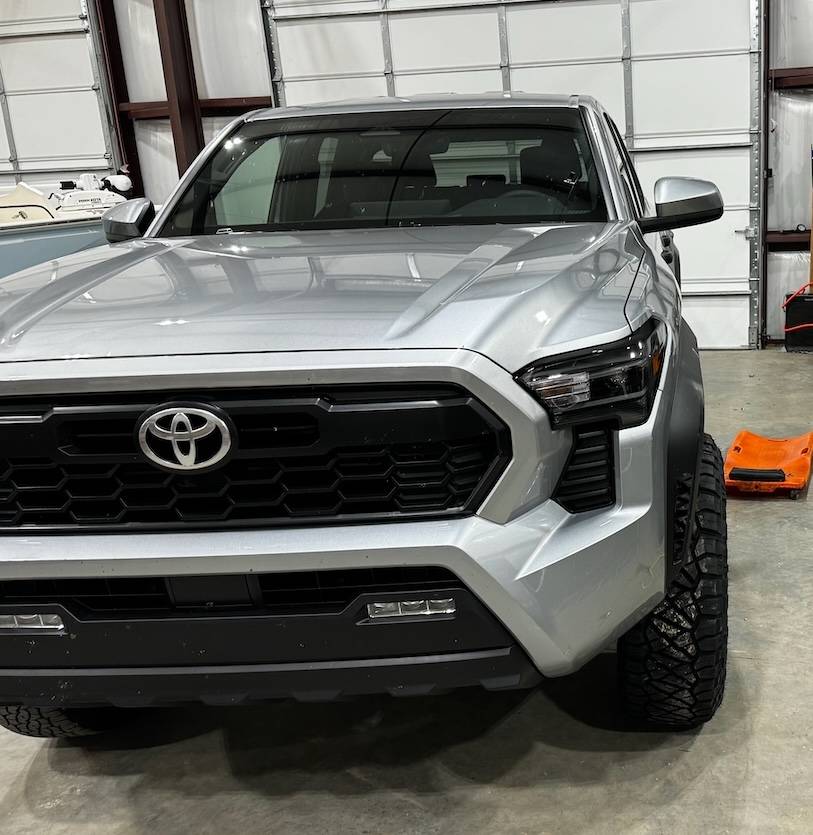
[423, 168]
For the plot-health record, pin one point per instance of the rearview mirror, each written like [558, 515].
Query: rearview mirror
[683, 201]
[128, 220]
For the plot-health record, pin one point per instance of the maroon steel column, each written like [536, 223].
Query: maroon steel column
[111, 47]
[179, 76]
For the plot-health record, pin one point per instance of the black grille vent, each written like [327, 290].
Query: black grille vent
[301, 456]
[588, 482]
[294, 592]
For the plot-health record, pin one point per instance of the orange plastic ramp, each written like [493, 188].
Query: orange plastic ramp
[756, 464]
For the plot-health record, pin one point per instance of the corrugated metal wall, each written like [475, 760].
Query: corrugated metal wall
[54, 119]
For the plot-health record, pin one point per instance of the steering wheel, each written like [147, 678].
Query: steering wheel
[523, 192]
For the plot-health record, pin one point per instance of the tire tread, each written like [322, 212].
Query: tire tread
[47, 722]
[672, 664]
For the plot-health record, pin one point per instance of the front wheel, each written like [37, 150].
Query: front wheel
[672, 665]
[54, 722]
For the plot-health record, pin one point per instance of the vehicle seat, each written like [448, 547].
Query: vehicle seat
[418, 178]
[554, 166]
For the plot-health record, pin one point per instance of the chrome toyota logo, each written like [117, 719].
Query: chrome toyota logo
[185, 437]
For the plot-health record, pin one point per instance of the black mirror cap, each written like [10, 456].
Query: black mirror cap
[679, 221]
[128, 220]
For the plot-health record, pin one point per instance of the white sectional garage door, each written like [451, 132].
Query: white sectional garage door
[678, 75]
[54, 123]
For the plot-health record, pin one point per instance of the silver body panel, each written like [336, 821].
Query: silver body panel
[514, 294]
[469, 305]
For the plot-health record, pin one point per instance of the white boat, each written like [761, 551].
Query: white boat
[85, 198]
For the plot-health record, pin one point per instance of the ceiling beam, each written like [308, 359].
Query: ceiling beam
[791, 78]
[233, 106]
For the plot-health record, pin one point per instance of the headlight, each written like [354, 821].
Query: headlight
[616, 382]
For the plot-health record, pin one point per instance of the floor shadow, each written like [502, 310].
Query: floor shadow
[462, 759]
[579, 713]
[588, 697]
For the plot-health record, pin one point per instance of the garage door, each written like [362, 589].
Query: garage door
[53, 116]
[680, 76]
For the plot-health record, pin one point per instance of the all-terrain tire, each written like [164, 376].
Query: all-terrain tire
[56, 722]
[672, 665]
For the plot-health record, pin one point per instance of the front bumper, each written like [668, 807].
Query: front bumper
[233, 656]
[562, 586]
[498, 669]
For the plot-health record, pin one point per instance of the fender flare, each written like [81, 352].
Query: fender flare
[684, 448]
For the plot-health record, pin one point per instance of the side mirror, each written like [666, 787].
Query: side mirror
[683, 201]
[128, 220]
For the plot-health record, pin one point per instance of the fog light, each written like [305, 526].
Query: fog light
[411, 608]
[31, 623]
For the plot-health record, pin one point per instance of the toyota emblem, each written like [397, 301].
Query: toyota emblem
[185, 437]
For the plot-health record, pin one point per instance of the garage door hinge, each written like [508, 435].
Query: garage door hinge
[750, 232]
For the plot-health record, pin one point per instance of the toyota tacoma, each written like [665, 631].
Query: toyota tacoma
[390, 396]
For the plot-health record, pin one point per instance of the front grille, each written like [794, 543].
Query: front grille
[301, 456]
[588, 482]
[280, 593]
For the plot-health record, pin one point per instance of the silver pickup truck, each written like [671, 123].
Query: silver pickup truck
[390, 396]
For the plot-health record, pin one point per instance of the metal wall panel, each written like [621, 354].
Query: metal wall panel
[58, 131]
[789, 158]
[307, 8]
[26, 17]
[447, 39]
[51, 102]
[691, 101]
[473, 81]
[334, 89]
[669, 27]
[156, 154]
[568, 32]
[791, 33]
[331, 58]
[54, 115]
[718, 321]
[140, 52]
[51, 62]
[344, 46]
[228, 50]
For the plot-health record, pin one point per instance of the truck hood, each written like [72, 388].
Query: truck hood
[511, 293]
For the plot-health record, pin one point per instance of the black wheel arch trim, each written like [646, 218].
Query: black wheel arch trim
[684, 449]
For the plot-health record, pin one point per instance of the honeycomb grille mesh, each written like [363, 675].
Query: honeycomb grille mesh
[427, 453]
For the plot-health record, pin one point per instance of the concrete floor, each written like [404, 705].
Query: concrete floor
[553, 761]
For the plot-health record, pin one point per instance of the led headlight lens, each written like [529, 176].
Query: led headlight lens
[615, 382]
